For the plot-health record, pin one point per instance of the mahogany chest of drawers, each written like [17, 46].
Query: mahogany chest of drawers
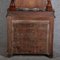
[30, 32]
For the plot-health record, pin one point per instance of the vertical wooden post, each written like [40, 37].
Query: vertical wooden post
[12, 6]
[49, 6]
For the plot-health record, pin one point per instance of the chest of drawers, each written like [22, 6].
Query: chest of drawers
[30, 32]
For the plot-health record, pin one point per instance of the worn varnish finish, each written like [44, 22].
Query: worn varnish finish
[30, 32]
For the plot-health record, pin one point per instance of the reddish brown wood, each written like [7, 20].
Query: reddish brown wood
[30, 3]
[12, 6]
[34, 4]
[49, 6]
[30, 32]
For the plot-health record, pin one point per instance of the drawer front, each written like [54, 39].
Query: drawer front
[30, 36]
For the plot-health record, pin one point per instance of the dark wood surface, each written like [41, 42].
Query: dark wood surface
[30, 32]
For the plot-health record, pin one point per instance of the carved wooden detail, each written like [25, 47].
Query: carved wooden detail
[28, 37]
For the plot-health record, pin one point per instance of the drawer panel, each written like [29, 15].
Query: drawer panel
[30, 36]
